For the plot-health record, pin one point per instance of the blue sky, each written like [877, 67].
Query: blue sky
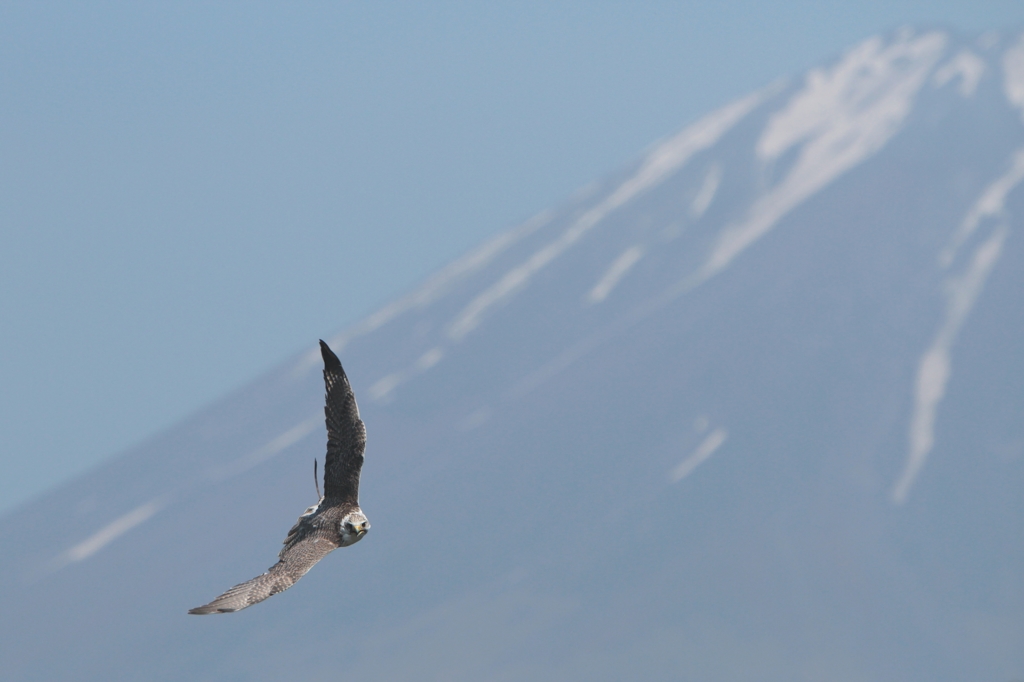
[192, 192]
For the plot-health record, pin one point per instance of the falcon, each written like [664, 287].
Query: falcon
[335, 520]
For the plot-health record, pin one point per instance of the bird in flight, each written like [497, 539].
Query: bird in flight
[335, 520]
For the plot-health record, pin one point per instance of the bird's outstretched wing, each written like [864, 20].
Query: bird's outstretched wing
[304, 547]
[346, 434]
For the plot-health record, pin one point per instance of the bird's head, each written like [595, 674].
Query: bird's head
[353, 527]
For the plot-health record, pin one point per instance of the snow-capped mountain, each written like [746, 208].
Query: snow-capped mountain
[751, 409]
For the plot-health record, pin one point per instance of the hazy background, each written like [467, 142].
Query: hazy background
[190, 193]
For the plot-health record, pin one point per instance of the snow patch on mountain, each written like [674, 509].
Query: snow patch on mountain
[841, 117]
[1013, 74]
[113, 530]
[619, 267]
[433, 289]
[962, 291]
[966, 65]
[707, 447]
[429, 359]
[273, 447]
[706, 193]
[382, 388]
[665, 159]
[989, 205]
[934, 369]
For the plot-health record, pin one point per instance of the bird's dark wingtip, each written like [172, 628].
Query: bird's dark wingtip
[331, 360]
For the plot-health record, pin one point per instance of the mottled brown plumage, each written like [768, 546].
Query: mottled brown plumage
[335, 521]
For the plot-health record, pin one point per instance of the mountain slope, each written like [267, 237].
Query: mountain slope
[748, 410]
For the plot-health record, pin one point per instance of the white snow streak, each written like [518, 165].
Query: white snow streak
[273, 447]
[934, 369]
[432, 289]
[1013, 74]
[662, 161]
[707, 191]
[382, 388]
[961, 292]
[703, 451]
[619, 267]
[476, 419]
[968, 66]
[111, 532]
[989, 205]
[429, 359]
[841, 117]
